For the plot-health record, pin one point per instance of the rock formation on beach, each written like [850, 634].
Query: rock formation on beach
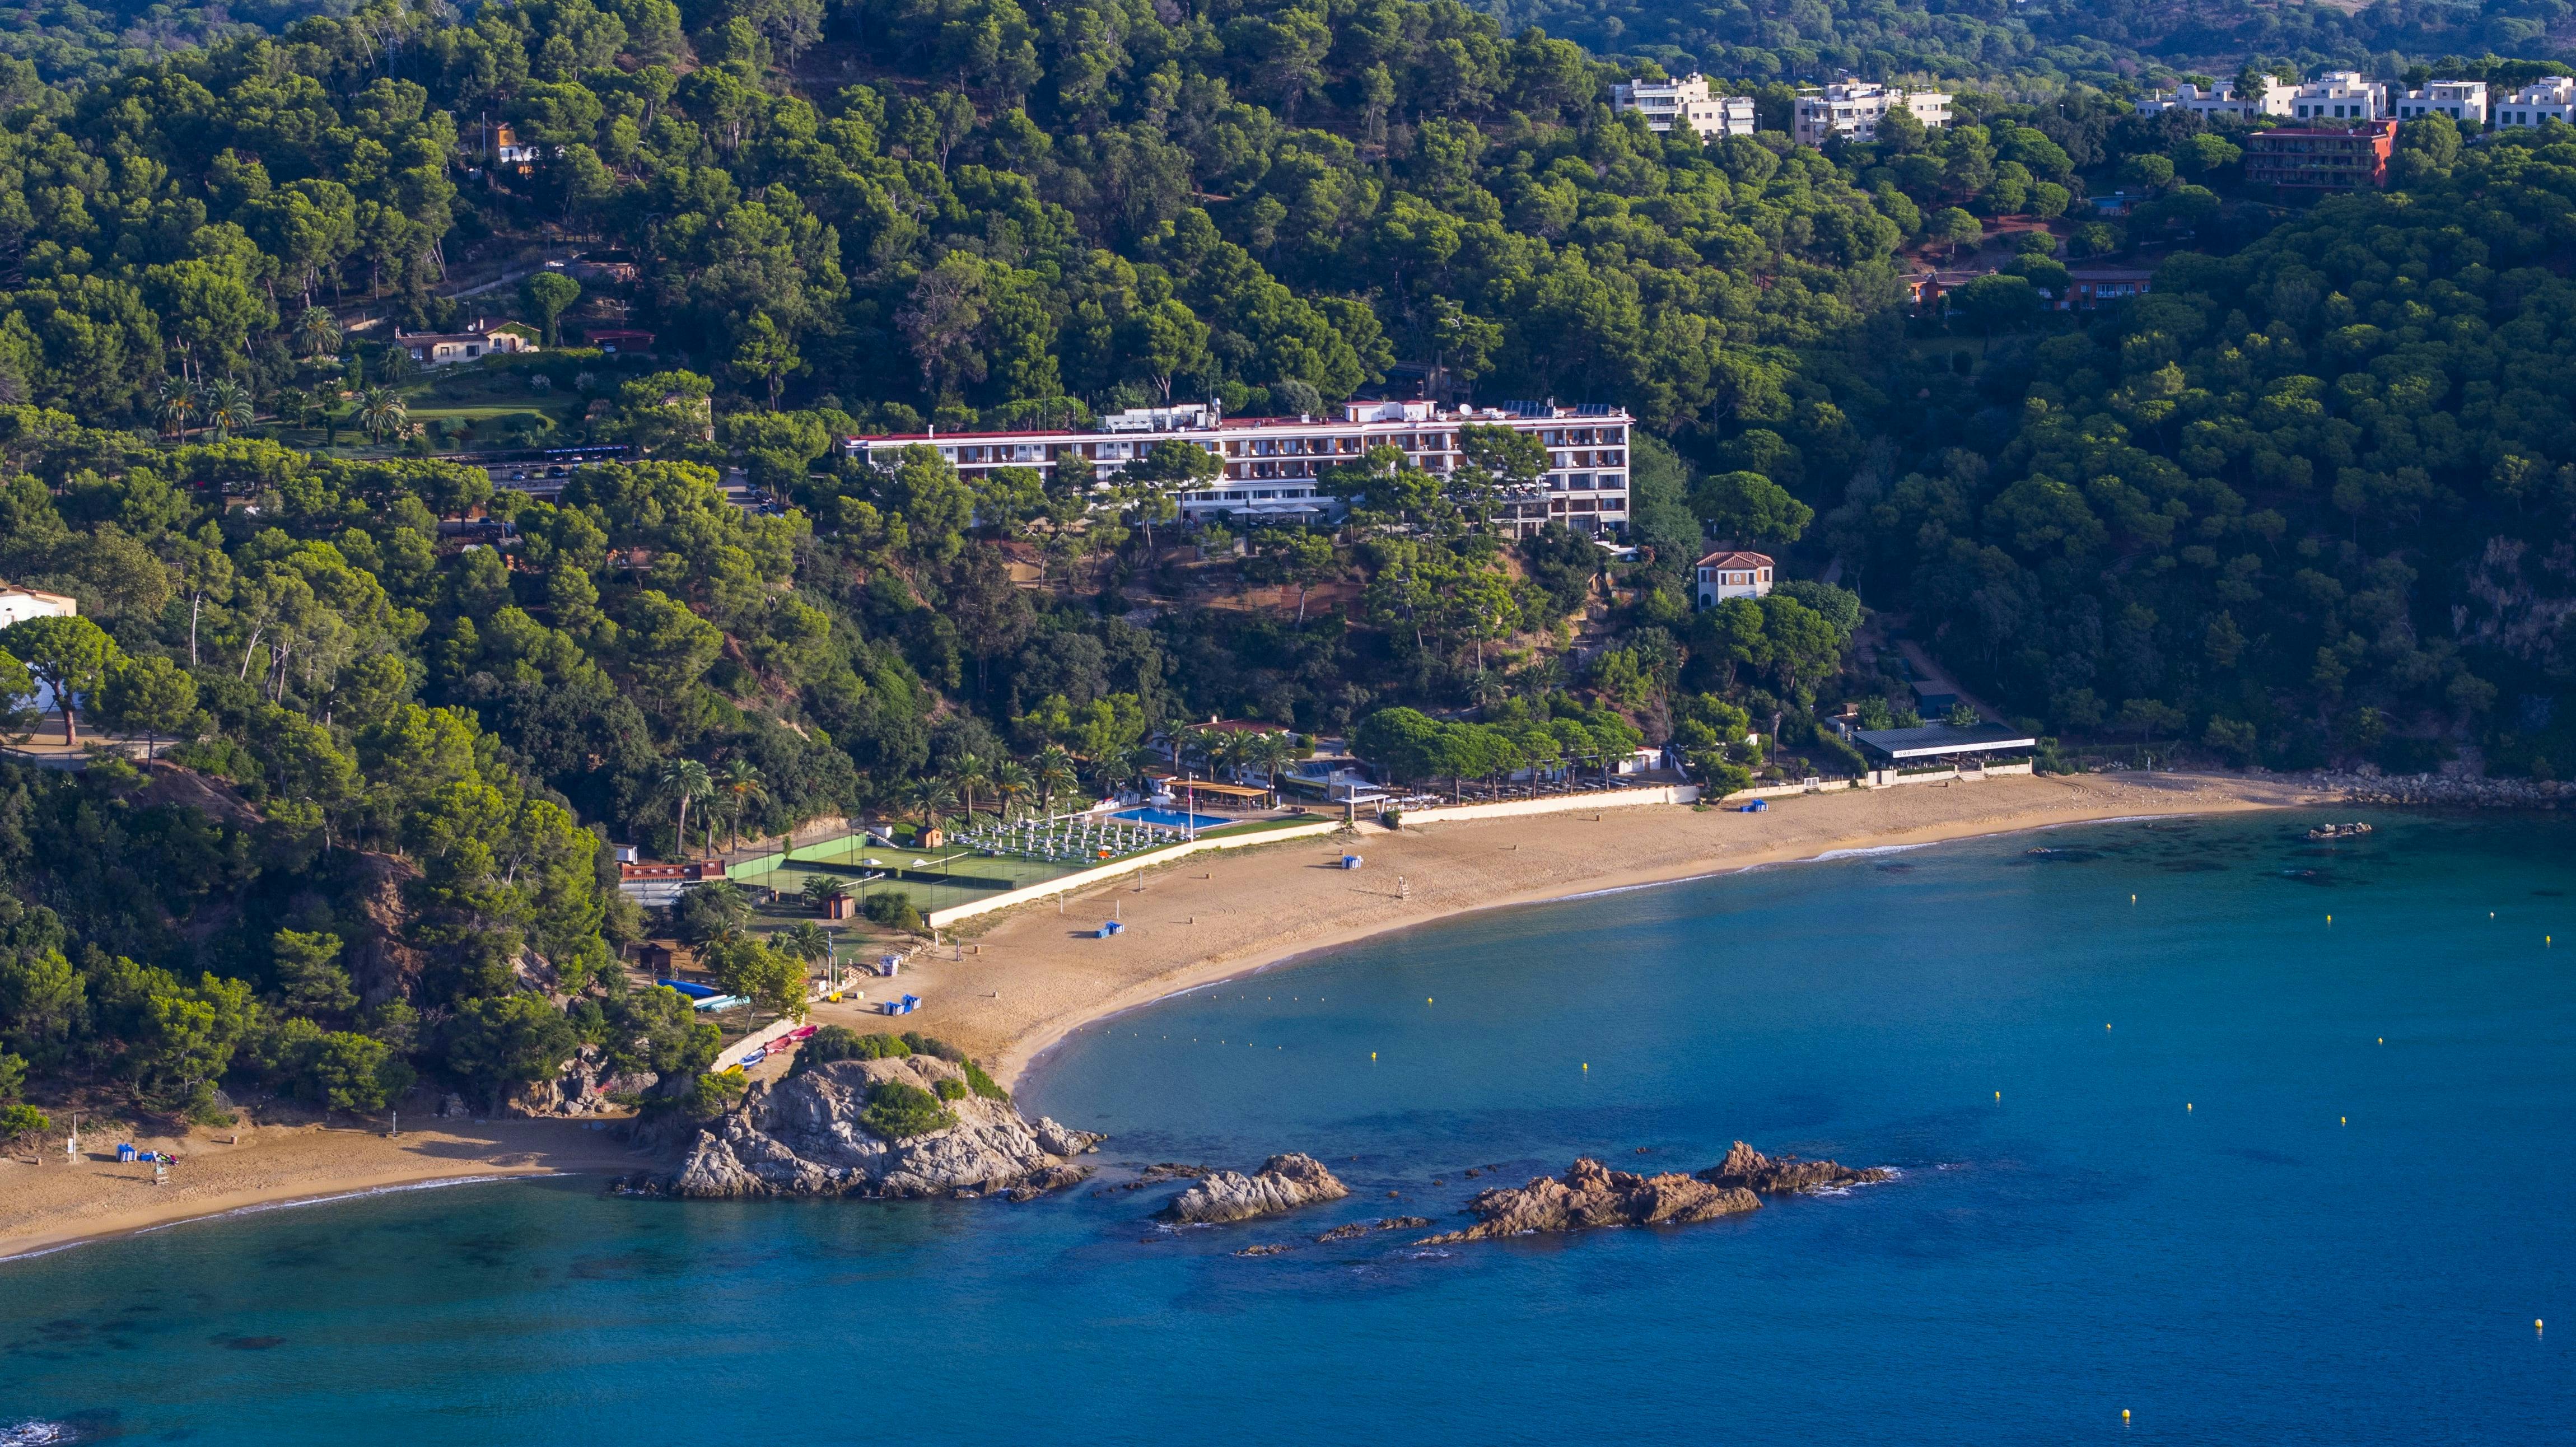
[1593, 1195]
[805, 1136]
[1284, 1183]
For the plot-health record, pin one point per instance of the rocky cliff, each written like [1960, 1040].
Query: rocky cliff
[1592, 1195]
[804, 1136]
[1284, 1183]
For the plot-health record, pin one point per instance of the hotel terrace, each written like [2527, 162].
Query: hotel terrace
[1272, 464]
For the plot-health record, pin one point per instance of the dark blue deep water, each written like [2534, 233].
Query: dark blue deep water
[2250, 1269]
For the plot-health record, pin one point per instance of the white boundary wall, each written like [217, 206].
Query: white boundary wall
[1123, 869]
[1889, 778]
[1556, 804]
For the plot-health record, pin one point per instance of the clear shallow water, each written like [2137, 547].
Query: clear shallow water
[2250, 1269]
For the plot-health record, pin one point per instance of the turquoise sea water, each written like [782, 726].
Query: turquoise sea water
[2250, 1269]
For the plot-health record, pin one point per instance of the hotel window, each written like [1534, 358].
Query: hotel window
[1581, 482]
[1235, 497]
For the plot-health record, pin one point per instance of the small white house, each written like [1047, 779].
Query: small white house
[481, 338]
[1731, 574]
[17, 605]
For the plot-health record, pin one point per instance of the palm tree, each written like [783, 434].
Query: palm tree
[686, 780]
[1013, 781]
[933, 797]
[1268, 751]
[970, 773]
[1055, 770]
[382, 410]
[1234, 752]
[740, 782]
[805, 940]
[819, 891]
[317, 331]
[178, 403]
[229, 408]
[716, 912]
[1139, 764]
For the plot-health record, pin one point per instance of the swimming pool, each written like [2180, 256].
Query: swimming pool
[1171, 818]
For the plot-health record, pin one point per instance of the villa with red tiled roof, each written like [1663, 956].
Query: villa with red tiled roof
[1728, 573]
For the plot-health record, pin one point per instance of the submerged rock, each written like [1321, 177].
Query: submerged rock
[806, 1136]
[1357, 1229]
[1593, 1195]
[1744, 1166]
[1156, 1174]
[1284, 1183]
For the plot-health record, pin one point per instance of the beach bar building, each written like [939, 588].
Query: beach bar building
[1934, 752]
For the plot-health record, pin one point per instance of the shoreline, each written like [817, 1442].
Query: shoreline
[2103, 803]
[1031, 983]
[56, 1206]
[1028, 1055]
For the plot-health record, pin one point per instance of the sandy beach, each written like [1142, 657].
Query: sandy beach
[56, 1202]
[1009, 993]
[1016, 985]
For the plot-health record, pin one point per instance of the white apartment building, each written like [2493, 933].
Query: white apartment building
[1273, 464]
[1854, 108]
[2340, 95]
[2222, 100]
[2550, 99]
[1687, 102]
[2464, 101]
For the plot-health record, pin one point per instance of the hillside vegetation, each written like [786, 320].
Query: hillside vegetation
[2307, 502]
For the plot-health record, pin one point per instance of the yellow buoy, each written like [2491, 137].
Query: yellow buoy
[2186, 1105]
[1426, 999]
[1999, 1095]
[2106, 1024]
[1587, 1065]
[2343, 1120]
[2329, 919]
[2133, 899]
[1372, 1055]
[2124, 1414]
[2383, 1039]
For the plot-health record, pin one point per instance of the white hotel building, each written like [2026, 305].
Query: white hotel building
[1854, 109]
[1685, 104]
[2551, 98]
[1272, 463]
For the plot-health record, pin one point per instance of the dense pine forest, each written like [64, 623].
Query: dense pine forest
[2306, 503]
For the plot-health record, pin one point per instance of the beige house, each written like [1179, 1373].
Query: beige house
[17, 605]
[1732, 574]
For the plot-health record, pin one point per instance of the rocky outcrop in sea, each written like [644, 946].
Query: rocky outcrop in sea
[805, 1136]
[1786, 1175]
[1591, 1195]
[1284, 1183]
